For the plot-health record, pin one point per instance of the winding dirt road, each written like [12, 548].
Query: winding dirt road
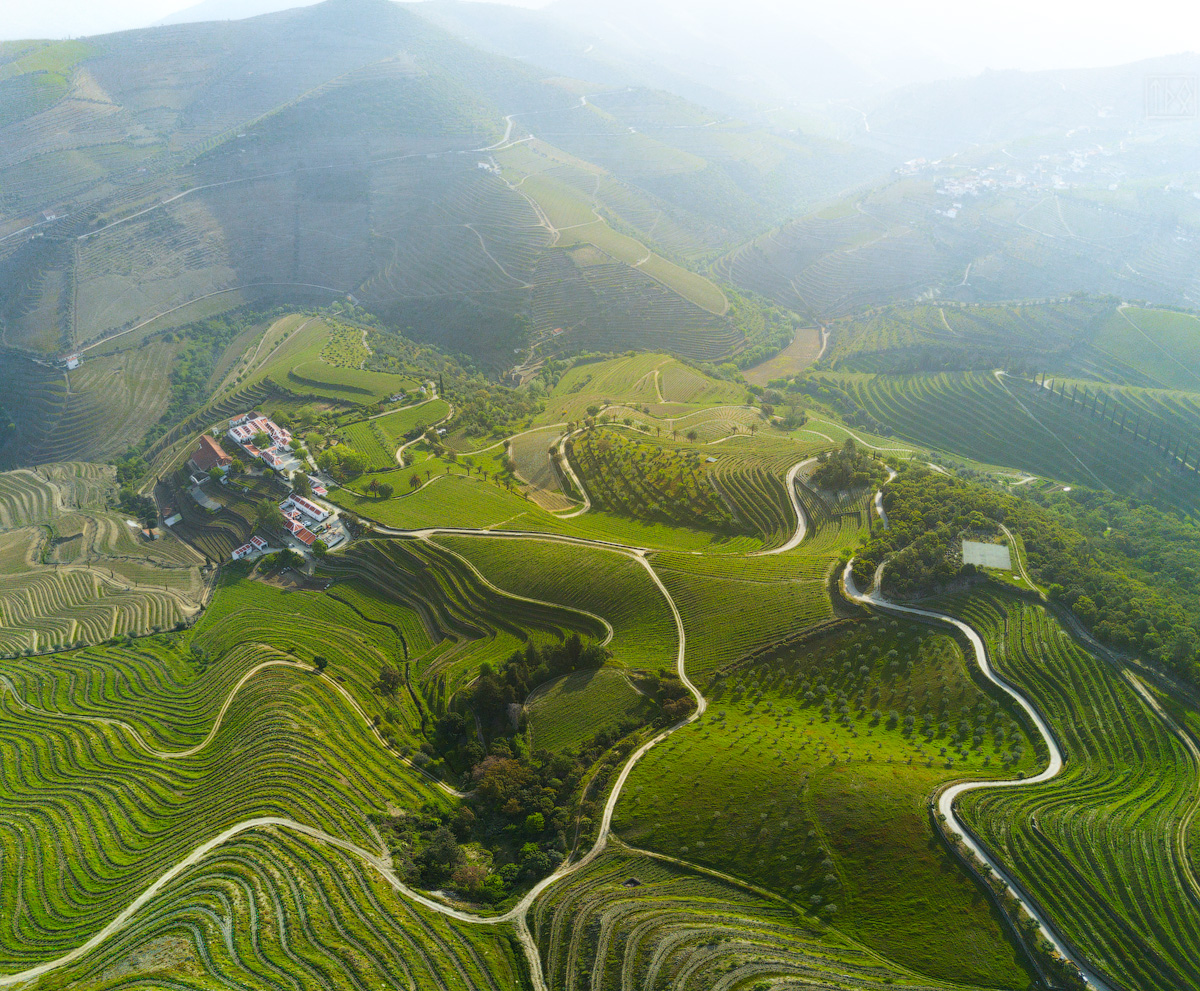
[801, 519]
[517, 914]
[948, 796]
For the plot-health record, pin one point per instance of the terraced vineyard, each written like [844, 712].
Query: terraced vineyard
[368, 438]
[599, 581]
[580, 704]
[481, 622]
[629, 380]
[310, 357]
[399, 424]
[1158, 345]
[992, 419]
[634, 921]
[925, 337]
[276, 752]
[274, 907]
[1102, 848]
[94, 412]
[73, 571]
[379, 438]
[755, 490]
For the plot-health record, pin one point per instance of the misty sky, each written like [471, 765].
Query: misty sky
[1023, 34]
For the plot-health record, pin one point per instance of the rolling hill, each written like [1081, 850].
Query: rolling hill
[353, 148]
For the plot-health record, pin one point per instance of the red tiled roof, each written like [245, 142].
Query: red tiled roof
[209, 454]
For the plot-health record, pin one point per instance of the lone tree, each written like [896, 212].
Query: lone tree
[389, 681]
[320, 663]
[385, 490]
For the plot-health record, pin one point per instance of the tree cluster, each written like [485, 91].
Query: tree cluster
[342, 462]
[494, 691]
[1126, 570]
[848, 468]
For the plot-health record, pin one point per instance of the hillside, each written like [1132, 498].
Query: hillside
[354, 149]
[603, 498]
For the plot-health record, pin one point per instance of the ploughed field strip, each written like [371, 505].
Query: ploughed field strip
[1100, 847]
[535, 464]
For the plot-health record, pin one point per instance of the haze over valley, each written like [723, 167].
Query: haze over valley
[602, 496]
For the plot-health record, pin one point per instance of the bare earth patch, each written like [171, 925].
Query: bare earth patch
[797, 356]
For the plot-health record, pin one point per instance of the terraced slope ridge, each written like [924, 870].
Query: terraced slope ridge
[77, 570]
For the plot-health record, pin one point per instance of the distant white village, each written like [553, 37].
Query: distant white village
[1048, 172]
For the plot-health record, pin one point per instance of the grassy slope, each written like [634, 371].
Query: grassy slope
[1162, 345]
[764, 787]
[602, 582]
[456, 500]
[300, 359]
[735, 605]
[572, 709]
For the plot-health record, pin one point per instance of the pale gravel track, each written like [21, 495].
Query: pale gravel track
[801, 519]
[565, 462]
